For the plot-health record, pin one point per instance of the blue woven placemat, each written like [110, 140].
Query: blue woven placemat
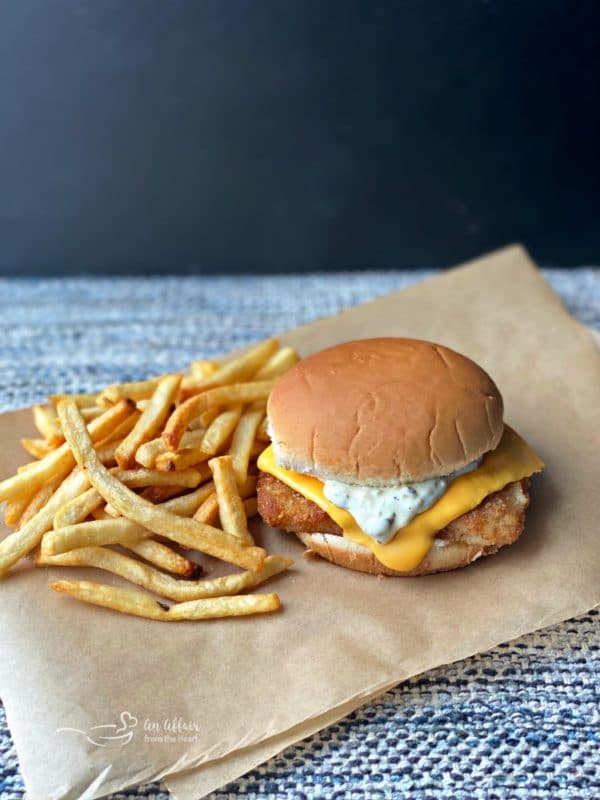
[520, 722]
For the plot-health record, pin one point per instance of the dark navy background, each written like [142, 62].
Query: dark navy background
[275, 135]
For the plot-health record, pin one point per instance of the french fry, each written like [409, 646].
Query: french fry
[231, 505]
[94, 533]
[106, 453]
[37, 502]
[27, 467]
[203, 368]
[220, 430]
[187, 504]
[249, 487]
[262, 432]
[136, 603]
[81, 400]
[21, 542]
[279, 363]
[91, 412]
[208, 512]
[164, 585]
[150, 422]
[38, 448]
[78, 509]
[182, 460]
[60, 462]
[238, 369]
[122, 430]
[186, 479]
[222, 395]
[46, 421]
[163, 557]
[14, 509]
[204, 419]
[159, 494]
[103, 402]
[243, 441]
[188, 532]
[136, 390]
[168, 453]
[251, 507]
[147, 453]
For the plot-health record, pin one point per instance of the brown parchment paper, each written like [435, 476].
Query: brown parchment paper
[199, 693]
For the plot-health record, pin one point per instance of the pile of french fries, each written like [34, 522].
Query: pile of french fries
[131, 479]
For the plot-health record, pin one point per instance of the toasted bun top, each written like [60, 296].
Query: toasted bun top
[383, 411]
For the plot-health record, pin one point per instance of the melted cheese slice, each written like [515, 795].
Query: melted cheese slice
[512, 460]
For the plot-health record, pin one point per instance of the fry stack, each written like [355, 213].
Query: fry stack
[136, 479]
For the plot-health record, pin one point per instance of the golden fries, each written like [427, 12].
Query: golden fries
[78, 509]
[46, 421]
[81, 400]
[188, 532]
[90, 412]
[222, 395]
[243, 440]
[121, 430]
[220, 430]
[231, 505]
[179, 449]
[21, 542]
[38, 448]
[38, 501]
[240, 368]
[137, 390]
[251, 507]
[96, 532]
[131, 601]
[14, 509]
[186, 478]
[203, 368]
[164, 585]
[208, 512]
[279, 363]
[148, 452]
[182, 460]
[60, 462]
[163, 557]
[262, 432]
[187, 504]
[158, 494]
[150, 422]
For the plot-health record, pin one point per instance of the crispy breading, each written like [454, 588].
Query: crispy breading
[495, 522]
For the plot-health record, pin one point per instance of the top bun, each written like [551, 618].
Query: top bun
[383, 411]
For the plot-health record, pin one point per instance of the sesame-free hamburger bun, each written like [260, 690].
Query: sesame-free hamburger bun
[384, 411]
[384, 414]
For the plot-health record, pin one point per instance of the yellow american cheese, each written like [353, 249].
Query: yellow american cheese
[512, 460]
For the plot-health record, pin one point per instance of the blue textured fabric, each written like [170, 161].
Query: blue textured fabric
[519, 723]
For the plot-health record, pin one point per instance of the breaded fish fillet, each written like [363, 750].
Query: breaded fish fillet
[497, 521]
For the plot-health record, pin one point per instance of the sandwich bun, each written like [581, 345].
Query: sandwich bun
[384, 411]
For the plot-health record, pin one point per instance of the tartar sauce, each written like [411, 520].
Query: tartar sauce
[380, 512]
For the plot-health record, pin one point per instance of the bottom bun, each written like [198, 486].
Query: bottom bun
[442, 557]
